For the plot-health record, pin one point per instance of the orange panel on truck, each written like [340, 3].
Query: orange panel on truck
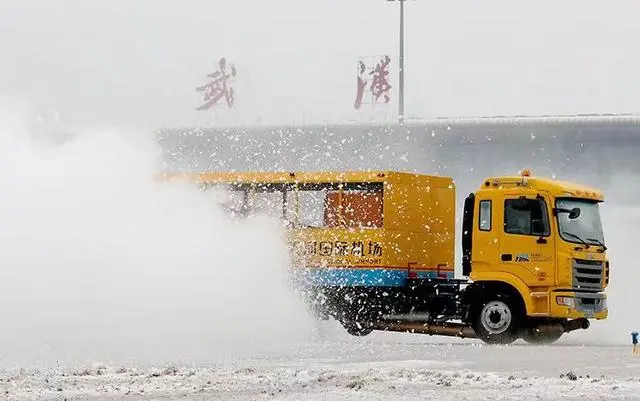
[359, 209]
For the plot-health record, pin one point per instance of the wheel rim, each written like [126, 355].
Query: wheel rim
[496, 317]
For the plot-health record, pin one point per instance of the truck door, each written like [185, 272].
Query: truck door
[527, 247]
[481, 234]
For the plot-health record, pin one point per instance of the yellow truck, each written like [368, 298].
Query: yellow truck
[375, 250]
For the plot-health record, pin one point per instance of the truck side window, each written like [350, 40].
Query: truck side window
[485, 215]
[526, 217]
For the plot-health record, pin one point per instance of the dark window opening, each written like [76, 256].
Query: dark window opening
[328, 205]
[526, 217]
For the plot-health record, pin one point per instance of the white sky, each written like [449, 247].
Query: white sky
[138, 61]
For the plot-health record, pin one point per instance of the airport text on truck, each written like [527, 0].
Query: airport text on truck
[375, 250]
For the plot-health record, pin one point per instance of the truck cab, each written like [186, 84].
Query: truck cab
[540, 241]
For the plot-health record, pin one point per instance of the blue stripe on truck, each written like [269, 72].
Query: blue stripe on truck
[360, 277]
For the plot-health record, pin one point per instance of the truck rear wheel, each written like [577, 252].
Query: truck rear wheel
[497, 320]
[358, 329]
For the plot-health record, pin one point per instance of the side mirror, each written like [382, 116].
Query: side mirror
[574, 213]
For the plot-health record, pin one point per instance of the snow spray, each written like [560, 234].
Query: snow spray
[100, 261]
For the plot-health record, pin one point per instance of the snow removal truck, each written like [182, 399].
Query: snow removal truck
[375, 250]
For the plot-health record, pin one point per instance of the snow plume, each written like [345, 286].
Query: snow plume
[100, 261]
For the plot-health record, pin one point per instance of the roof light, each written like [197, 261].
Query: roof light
[525, 173]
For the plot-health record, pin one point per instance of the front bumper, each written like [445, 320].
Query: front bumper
[573, 305]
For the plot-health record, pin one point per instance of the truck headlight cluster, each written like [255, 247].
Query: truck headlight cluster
[566, 301]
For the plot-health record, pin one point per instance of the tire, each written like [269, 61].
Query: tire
[533, 336]
[498, 320]
[357, 329]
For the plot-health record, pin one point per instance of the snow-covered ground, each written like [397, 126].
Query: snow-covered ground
[338, 367]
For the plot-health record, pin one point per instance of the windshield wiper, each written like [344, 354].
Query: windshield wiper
[598, 242]
[576, 237]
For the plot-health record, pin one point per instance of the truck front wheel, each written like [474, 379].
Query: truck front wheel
[497, 321]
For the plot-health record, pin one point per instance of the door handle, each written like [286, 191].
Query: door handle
[507, 257]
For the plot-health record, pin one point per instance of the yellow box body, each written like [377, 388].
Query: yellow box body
[418, 219]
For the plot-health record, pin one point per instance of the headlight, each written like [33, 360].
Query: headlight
[566, 301]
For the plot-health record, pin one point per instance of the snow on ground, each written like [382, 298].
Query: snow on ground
[416, 380]
[338, 367]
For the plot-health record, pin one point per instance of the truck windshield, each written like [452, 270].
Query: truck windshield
[586, 228]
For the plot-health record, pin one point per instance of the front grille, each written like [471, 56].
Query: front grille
[587, 274]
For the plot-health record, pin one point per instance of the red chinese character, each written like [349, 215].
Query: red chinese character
[218, 88]
[380, 84]
[362, 83]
